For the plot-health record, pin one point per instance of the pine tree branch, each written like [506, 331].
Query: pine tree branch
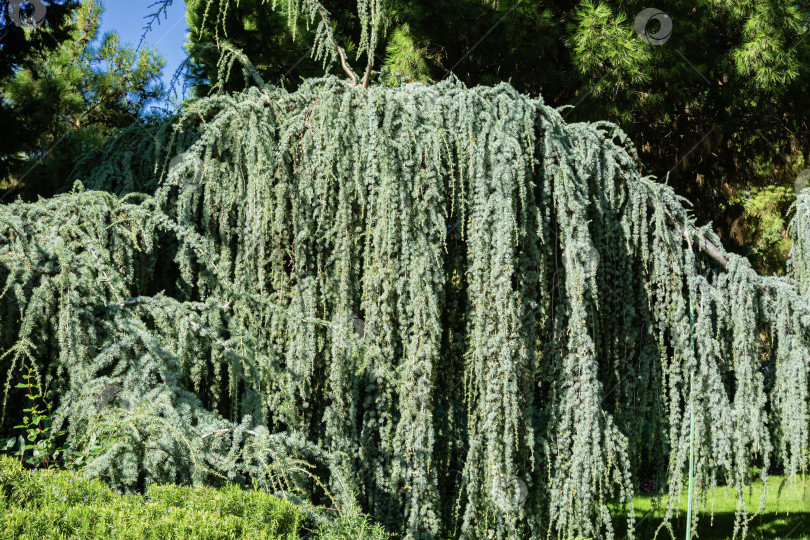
[163, 7]
[689, 232]
[219, 432]
[346, 67]
[371, 45]
[344, 64]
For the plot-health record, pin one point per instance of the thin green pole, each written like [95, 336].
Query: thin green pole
[691, 429]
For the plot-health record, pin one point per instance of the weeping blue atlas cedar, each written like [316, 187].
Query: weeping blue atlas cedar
[442, 305]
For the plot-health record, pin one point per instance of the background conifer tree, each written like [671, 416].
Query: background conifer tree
[19, 48]
[74, 92]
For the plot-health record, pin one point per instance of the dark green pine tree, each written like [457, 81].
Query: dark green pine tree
[19, 49]
[71, 94]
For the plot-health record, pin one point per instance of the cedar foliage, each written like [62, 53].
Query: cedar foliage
[414, 298]
[722, 104]
[799, 262]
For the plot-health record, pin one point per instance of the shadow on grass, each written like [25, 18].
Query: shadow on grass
[795, 525]
[785, 515]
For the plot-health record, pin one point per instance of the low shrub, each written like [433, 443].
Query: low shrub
[49, 504]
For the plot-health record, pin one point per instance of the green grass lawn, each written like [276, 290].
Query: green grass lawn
[787, 518]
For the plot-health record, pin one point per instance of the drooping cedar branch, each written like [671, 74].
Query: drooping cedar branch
[439, 216]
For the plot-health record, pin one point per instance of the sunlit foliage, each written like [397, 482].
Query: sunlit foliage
[436, 296]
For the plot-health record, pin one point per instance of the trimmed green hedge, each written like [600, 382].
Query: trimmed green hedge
[61, 504]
